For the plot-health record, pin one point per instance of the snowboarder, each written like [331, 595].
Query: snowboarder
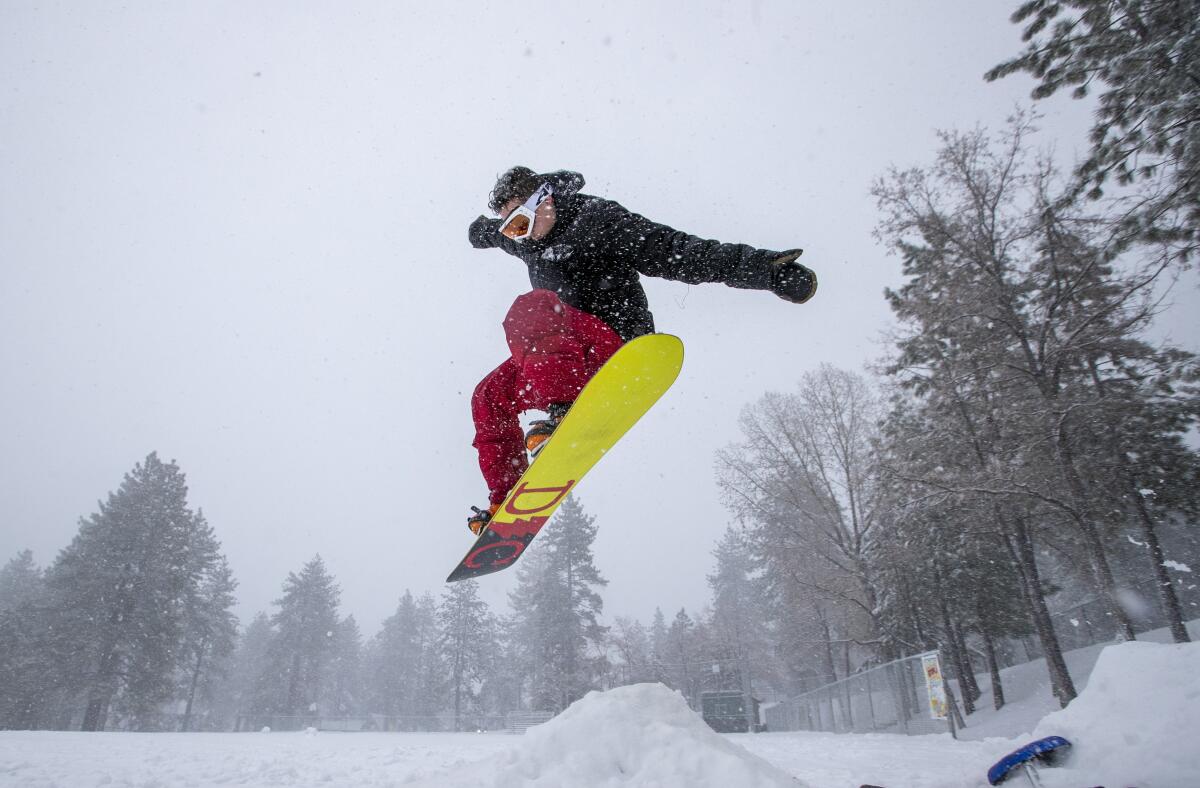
[585, 256]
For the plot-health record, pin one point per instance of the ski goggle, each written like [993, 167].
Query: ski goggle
[519, 224]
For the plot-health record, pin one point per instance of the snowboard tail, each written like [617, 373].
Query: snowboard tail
[619, 394]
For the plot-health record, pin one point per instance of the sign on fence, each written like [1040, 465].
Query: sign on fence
[934, 685]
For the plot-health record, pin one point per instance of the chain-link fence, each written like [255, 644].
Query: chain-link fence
[891, 698]
[1092, 621]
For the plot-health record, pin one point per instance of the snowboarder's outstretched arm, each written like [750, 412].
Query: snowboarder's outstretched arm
[658, 250]
[629, 241]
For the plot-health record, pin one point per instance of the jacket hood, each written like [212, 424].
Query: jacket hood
[565, 182]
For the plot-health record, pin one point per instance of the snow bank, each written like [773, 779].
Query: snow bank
[1136, 722]
[641, 735]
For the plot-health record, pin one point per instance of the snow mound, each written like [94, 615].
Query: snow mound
[1135, 723]
[641, 735]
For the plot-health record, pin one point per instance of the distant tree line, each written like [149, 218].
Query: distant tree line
[131, 628]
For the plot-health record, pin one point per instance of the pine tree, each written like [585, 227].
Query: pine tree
[503, 688]
[468, 644]
[20, 581]
[1143, 56]
[430, 676]
[120, 593]
[557, 609]
[27, 685]
[740, 614]
[210, 632]
[300, 654]
[658, 646]
[236, 695]
[405, 672]
[683, 656]
[343, 693]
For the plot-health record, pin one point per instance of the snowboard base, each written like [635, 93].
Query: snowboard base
[1047, 751]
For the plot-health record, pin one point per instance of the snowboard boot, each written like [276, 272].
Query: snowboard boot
[481, 518]
[541, 430]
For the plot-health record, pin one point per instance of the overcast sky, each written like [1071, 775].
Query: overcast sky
[235, 234]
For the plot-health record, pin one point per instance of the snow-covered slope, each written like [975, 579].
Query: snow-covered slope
[1137, 722]
[640, 735]
[1027, 690]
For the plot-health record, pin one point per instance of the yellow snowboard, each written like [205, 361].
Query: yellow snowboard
[614, 399]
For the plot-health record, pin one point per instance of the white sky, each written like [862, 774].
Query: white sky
[236, 234]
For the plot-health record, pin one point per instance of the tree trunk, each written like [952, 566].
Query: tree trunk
[970, 685]
[954, 660]
[1166, 591]
[956, 719]
[95, 717]
[293, 694]
[1091, 535]
[989, 649]
[187, 712]
[846, 699]
[572, 640]
[1031, 584]
[458, 689]
[830, 668]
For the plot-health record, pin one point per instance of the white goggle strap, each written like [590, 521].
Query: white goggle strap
[529, 209]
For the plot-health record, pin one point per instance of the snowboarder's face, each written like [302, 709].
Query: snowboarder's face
[544, 216]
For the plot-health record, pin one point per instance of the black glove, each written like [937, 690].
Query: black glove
[790, 280]
[483, 232]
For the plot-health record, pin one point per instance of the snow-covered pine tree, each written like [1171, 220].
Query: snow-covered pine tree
[210, 633]
[26, 688]
[740, 623]
[468, 644]
[943, 559]
[343, 691]
[659, 646]
[405, 673]
[557, 609]
[1143, 58]
[303, 647]
[683, 657]
[503, 688]
[119, 596]
[235, 698]
[20, 581]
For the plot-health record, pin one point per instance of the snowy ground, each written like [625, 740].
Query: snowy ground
[294, 760]
[1134, 725]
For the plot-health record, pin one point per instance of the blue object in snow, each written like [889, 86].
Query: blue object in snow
[1045, 750]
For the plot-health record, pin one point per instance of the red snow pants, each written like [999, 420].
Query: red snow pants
[555, 350]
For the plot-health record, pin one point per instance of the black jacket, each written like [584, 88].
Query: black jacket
[597, 250]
